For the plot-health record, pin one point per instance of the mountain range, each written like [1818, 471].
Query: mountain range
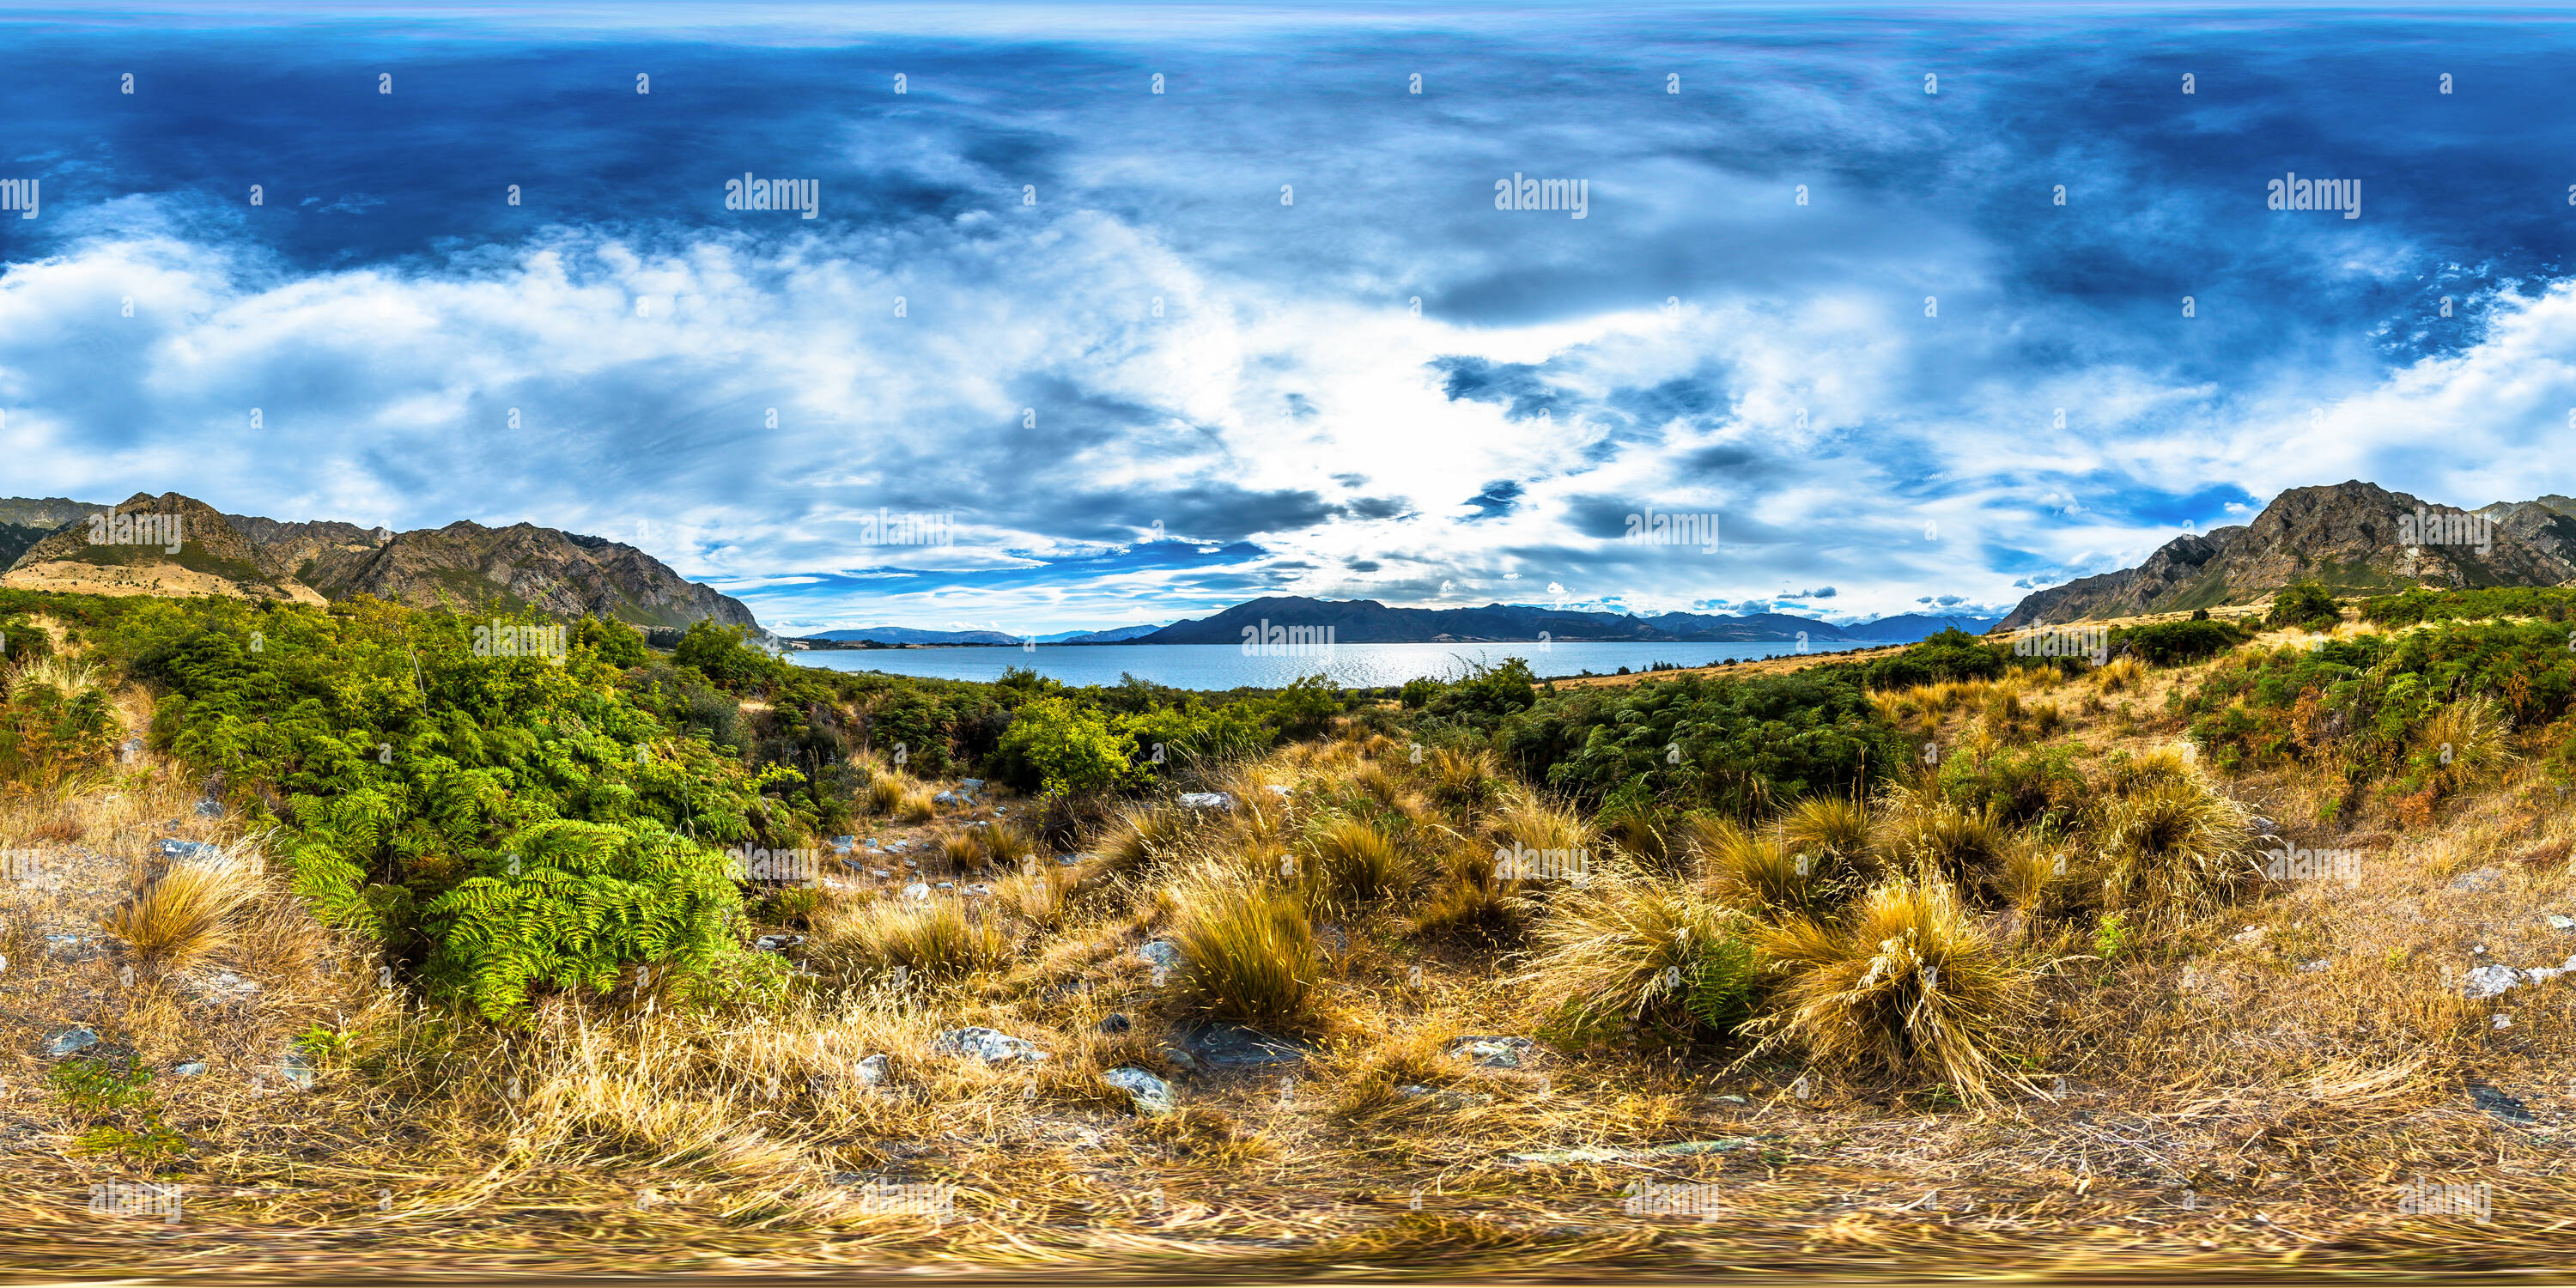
[2355, 538]
[461, 567]
[1366, 621]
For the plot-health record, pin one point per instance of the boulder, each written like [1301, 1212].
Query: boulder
[918, 892]
[1492, 1052]
[874, 1071]
[1206, 800]
[64, 1042]
[1161, 953]
[189, 1070]
[778, 944]
[1152, 1095]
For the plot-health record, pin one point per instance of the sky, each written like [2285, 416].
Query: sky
[1920, 309]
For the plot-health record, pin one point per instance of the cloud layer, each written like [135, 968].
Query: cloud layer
[1266, 332]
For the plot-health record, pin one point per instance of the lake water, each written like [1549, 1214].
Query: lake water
[1226, 666]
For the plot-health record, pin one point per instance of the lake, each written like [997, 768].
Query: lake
[1227, 666]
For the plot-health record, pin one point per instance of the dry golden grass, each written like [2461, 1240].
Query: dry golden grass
[179, 917]
[1248, 950]
[606, 1138]
[1911, 984]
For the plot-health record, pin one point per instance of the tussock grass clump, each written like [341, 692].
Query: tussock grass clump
[2130, 774]
[1461, 781]
[1037, 893]
[1138, 836]
[1908, 983]
[2174, 847]
[1009, 845]
[1355, 862]
[960, 850]
[1927, 830]
[179, 918]
[2119, 675]
[1528, 822]
[1473, 898]
[1248, 952]
[1836, 826]
[936, 940]
[2464, 743]
[1624, 947]
[1758, 871]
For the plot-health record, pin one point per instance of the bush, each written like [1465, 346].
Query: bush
[2169, 643]
[2306, 605]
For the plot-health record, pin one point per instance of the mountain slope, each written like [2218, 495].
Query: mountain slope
[204, 555]
[466, 567]
[911, 635]
[2347, 536]
[1909, 628]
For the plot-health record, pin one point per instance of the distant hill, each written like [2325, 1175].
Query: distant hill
[1366, 621]
[1912, 627]
[910, 635]
[1114, 635]
[463, 566]
[2346, 536]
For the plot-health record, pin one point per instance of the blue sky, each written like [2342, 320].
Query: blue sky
[1159, 353]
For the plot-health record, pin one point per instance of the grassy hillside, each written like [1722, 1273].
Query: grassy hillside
[1937, 958]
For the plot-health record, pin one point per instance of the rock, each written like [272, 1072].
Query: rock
[1235, 1047]
[189, 1070]
[874, 1071]
[948, 798]
[1443, 1097]
[298, 1070]
[1181, 1058]
[210, 808]
[66, 1041]
[2489, 981]
[2262, 826]
[979, 889]
[2557, 922]
[991, 1045]
[2311, 968]
[1492, 1053]
[223, 986]
[1206, 800]
[778, 944]
[2504, 1107]
[844, 844]
[73, 948]
[2249, 935]
[2482, 879]
[187, 851]
[1068, 860]
[1115, 1024]
[1151, 1094]
[918, 892]
[947, 885]
[880, 874]
[1278, 790]
[1162, 953]
[1336, 940]
[971, 784]
[870, 844]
